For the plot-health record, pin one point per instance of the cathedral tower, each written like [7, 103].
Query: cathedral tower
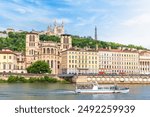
[66, 41]
[32, 48]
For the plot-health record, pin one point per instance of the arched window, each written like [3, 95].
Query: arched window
[10, 66]
[33, 38]
[30, 38]
[43, 50]
[30, 52]
[4, 65]
[52, 51]
[48, 61]
[48, 50]
[51, 63]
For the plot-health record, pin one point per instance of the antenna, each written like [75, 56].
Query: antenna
[95, 33]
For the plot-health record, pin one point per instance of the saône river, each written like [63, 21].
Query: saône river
[45, 91]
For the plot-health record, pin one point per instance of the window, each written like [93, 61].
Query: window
[9, 57]
[30, 38]
[48, 50]
[43, 50]
[4, 57]
[51, 63]
[52, 51]
[33, 38]
[9, 66]
[4, 66]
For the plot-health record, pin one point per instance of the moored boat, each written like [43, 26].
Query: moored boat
[95, 88]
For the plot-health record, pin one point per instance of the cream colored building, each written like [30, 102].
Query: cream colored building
[12, 62]
[118, 61]
[8, 61]
[144, 62]
[46, 50]
[79, 61]
[21, 65]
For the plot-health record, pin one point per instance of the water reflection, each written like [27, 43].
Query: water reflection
[41, 91]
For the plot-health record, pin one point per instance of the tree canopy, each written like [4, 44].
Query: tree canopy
[16, 42]
[39, 67]
[49, 38]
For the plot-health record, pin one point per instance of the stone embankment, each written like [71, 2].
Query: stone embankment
[125, 79]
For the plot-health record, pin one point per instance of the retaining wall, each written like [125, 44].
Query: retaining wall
[113, 79]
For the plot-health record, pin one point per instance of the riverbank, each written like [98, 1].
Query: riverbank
[21, 79]
[105, 79]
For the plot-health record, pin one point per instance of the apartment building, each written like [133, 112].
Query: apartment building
[144, 62]
[79, 61]
[8, 61]
[118, 61]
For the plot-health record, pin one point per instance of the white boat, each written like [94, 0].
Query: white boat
[95, 88]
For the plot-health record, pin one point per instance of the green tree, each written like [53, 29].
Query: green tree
[49, 38]
[39, 67]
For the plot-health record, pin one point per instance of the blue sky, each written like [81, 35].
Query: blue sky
[122, 21]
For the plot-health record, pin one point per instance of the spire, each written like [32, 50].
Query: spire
[95, 33]
[48, 28]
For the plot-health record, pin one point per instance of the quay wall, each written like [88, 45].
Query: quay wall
[113, 79]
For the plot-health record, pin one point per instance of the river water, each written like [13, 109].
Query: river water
[42, 91]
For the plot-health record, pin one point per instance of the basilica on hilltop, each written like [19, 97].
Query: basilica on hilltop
[55, 29]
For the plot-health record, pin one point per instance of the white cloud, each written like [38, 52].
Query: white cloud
[86, 21]
[140, 20]
[23, 10]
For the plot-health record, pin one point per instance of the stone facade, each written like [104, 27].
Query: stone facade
[56, 29]
[144, 62]
[48, 51]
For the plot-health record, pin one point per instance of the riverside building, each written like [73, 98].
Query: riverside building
[48, 51]
[79, 61]
[118, 61]
[144, 62]
[8, 61]
[12, 62]
[65, 59]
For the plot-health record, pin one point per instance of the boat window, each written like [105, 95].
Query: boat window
[106, 87]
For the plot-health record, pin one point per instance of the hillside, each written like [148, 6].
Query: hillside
[16, 42]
